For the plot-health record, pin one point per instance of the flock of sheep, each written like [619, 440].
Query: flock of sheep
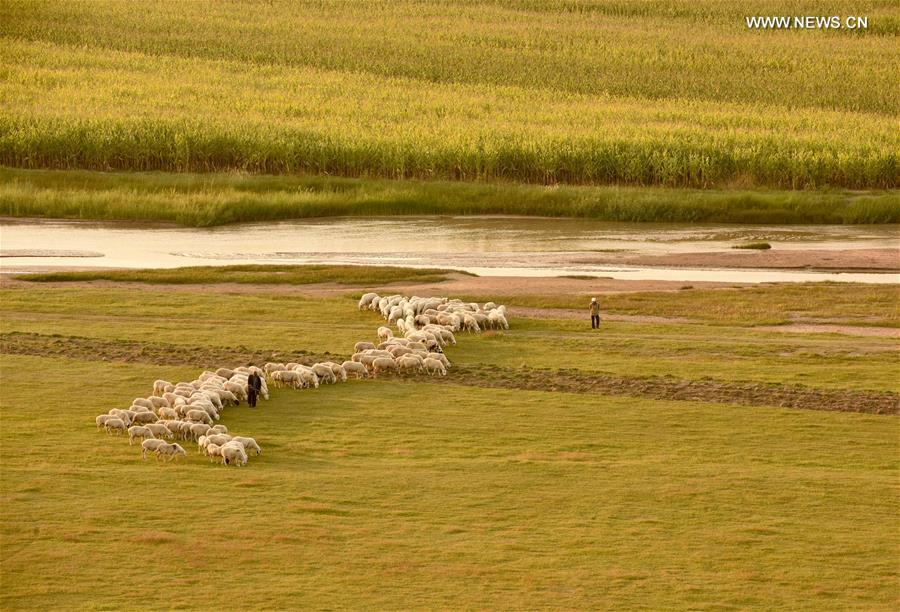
[189, 410]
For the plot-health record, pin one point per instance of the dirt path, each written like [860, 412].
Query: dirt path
[480, 375]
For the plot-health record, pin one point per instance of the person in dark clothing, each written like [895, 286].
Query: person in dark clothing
[254, 385]
[595, 314]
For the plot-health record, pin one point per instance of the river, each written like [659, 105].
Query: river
[488, 246]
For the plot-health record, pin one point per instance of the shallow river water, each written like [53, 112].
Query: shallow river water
[488, 246]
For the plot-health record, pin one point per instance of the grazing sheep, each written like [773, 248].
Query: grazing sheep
[248, 443]
[224, 372]
[383, 364]
[136, 408]
[433, 366]
[440, 357]
[199, 416]
[361, 346]
[217, 429]
[102, 419]
[409, 363]
[149, 446]
[143, 401]
[158, 402]
[137, 431]
[338, 370]
[290, 378]
[125, 416]
[238, 390]
[354, 367]
[385, 333]
[233, 454]
[172, 450]
[142, 418]
[115, 425]
[168, 414]
[198, 429]
[220, 439]
[159, 430]
[366, 300]
[324, 373]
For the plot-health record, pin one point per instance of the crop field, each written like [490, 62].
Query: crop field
[555, 466]
[675, 94]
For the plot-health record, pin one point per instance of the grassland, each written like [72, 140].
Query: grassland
[656, 93]
[405, 494]
[222, 198]
[252, 274]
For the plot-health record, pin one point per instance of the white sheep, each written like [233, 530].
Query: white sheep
[172, 450]
[115, 425]
[142, 418]
[198, 429]
[354, 367]
[137, 431]
[102, 419]
[217, 429]
[167, 414]
[233, 454]
[433, 366]
[159, 430]
[383, 364]
[361, 346]
[199, 416]
[149, 446]
[248, 443]
[385, 333]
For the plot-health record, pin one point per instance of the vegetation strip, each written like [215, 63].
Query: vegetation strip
[480, 375]
[202, 200]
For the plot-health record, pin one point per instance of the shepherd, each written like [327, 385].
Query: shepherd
[595, 313]
[254, 385]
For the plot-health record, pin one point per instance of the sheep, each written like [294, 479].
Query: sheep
[234, 454]
[101, 420]
[137, 431]
[198, 416]
[239, 391]
[248, 443]
[143, 401]
[158, 402]
[385, 333]
[124, 416]
[142, 418]
[440, 357]
[217, 429]
[220, 439]
[308, 378]
[213, 451]
[409, 363]
[149, 446]
[229, 398]
[167, 414]
[172, 450]
[355, 368]
[136, 408]
[324, 373]
[198, 429]
[361, 346]
[337, 370]
[159, 430]
[175, 428]
[224, 372]
[433, 366]
[290, 378]
[160, 386]
[383, 364]
[115, 425]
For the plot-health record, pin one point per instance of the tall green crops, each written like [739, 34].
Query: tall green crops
[676, 94]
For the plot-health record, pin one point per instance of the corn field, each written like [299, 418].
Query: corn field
[674, 94]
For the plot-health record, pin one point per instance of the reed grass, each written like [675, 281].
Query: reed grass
[253, 274]
[216, 199]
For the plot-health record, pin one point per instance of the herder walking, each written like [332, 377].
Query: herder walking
[595, 314]
[254, 386]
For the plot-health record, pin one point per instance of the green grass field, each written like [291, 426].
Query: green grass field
[407, 493]
[648, 93]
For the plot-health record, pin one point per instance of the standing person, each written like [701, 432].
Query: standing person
[595, 314]
[254, 385]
